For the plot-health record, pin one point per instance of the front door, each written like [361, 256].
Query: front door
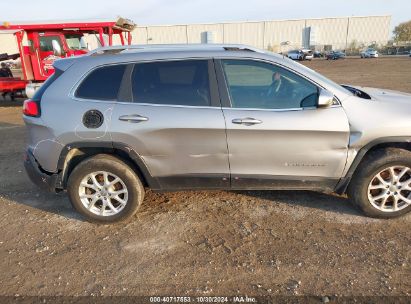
[276, 134]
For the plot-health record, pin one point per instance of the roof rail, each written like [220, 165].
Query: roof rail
[110, 50]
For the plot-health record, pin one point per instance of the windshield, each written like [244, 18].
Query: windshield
[74, 42]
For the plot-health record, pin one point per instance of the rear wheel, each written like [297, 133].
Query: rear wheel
[381, 186]
[105, 189]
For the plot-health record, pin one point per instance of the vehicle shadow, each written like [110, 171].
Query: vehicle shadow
[7, 125]
[57, 204]
[309, 199]
[6, 102]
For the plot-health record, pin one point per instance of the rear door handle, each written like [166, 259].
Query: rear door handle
[246, 121]
[135, 118]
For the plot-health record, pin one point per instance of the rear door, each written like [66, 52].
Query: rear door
[276, 134]
[171, 116]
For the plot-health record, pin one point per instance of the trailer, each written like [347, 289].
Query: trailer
[40, 44]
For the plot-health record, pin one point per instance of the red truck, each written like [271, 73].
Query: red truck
[40, 44]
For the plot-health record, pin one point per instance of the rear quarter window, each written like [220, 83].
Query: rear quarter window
[102, 83]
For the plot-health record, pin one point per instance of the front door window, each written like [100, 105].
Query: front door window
[259, 85]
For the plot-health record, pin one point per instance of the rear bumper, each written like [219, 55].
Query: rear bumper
[41, 179]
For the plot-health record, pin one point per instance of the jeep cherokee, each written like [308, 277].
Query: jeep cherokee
[109, 124]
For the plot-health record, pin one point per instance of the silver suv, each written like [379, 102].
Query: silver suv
[109, 124]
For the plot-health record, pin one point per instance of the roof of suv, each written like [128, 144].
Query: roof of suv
[126, 53]
[172, 47]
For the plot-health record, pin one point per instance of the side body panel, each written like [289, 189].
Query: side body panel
[309, 145]
[182, 147]
[287, 148]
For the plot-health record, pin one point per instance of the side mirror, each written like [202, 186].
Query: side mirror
[56, 48]
[325, 99]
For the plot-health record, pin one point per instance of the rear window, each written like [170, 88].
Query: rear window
[39, 93]
[172, 83]
[102, 83]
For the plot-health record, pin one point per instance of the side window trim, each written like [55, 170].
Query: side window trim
[225, 96]
[222, 84]
[125, 93]
[212, 80]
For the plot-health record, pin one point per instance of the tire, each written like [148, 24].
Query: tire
[379, 162]
[125, 195]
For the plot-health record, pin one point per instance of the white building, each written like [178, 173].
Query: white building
[335, 33]
[331, 33]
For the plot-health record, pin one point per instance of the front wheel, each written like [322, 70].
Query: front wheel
[105, 189]
[381, 187]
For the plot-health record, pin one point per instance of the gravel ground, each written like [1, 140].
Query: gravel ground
[273, 243]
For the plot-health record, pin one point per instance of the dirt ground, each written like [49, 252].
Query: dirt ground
[203, 243]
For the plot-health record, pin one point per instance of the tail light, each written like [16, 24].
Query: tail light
[31, 108]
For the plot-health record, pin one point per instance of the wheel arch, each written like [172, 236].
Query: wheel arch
[380, 143]
[74, 153]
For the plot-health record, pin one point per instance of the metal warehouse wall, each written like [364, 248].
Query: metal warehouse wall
[369, 29]
[337, 32]
[277, 32]
[331, 31]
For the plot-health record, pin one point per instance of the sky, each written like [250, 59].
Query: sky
[159, 12]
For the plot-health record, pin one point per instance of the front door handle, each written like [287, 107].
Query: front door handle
[246, 121]
[135, 118]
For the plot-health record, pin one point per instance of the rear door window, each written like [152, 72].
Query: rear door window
[102, 83]
[183, 83]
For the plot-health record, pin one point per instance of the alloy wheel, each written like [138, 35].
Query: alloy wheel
[103, 193]
[390, 189]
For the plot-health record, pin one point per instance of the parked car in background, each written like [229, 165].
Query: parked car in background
[308, 54]
[369, 53]
[296, 55]
[335, 55]
[302, 54]
[109, 124]
[318, 54]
